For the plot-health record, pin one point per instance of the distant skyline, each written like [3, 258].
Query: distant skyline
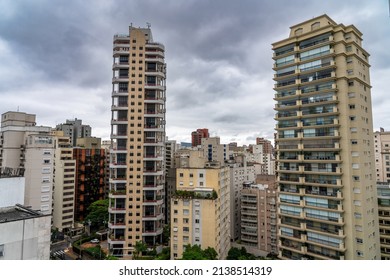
[56, 59]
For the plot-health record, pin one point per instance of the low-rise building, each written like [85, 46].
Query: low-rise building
[25, 234]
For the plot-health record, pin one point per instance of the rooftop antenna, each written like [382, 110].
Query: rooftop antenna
[148, 25]
[18, 109]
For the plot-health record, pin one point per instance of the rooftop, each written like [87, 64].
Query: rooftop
[16, 213]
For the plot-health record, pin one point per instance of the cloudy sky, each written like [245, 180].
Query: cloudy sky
[56, 58]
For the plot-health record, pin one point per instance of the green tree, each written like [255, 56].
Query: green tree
[139, 248]
[166, 234]
[239, 254]
[195, 252]
[233, 254]
[98, 213]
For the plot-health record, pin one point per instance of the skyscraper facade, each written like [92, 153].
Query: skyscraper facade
[138, 142]
[324, 144]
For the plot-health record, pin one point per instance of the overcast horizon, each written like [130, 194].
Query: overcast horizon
[56, 59]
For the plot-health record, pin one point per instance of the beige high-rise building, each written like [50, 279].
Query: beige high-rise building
[138, 142]
[324, 143]
[382, 155]
[64, 183]
[200, 209]
[25, 146]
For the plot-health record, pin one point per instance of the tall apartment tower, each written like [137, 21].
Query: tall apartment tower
[196, 136]
[324, 143]
[138, 142]
[64, 183]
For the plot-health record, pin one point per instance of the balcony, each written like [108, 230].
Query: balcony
[121, 50]
[117, 210]
[122, 92]
[153, 171]
[152, 232]
[117, 194]
[153, 157]
[152, 217]
[154, 86]
[116, 225]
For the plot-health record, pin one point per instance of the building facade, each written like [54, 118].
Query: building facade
[25, 146]
[324, 144]
[138, 141]
[258, 216]
[200, 210]
[64, 184]
[25, 234]
[75, 129]
[196, 136]
[240, 173]
[213, 150]
[382, 155]
[384, 219]
[90, 176]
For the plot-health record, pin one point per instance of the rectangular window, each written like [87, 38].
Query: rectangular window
[285, 60]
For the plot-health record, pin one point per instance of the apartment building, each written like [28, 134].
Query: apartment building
[90, 175]
[75, 129]
[258, 216]
[64, 183]
[200, 213]
[196, 136]
[25, 146]
[215, 151]
[240, 172]
[138, 141]
[327, 199]
[382, 155]
[384, 219]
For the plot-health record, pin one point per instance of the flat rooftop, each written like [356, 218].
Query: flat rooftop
[16, 213]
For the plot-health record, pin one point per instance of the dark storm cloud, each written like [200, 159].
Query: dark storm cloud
[56, 58]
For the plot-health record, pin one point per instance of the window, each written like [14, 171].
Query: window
[315, 25]
[46, 170]
[1, 250]
[298, 31]
[357, 203]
